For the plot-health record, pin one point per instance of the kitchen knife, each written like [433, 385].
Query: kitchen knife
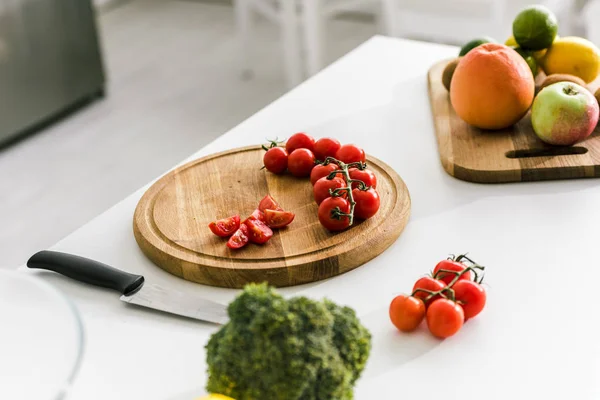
[132, 287]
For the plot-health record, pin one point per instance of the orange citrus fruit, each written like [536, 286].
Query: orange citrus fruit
[492, 87]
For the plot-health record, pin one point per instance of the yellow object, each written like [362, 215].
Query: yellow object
[572, 55]
[511, 41]
[538, 55]
[215, 397]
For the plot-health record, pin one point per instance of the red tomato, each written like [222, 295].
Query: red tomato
[366, 175]
[450, 265]
[258, 232]
[349, 153]
[471, 297]
[326, 147]
[257, 214]
[301, 162]
[326, 213]
[321, 171]
[225, 227]
[278, 219]
[428, 283]
[407, 312]
[444, 318]
[268, 203]
[276, 160]
[239, 238]
[300, 141]
[322, 186]
[367, 203]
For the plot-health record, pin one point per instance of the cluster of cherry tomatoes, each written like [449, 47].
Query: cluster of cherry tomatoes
[257, 228]
[343, 187]
[446, 299]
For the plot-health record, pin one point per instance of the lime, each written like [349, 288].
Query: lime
[474, 43]
[529, 59]
[535, 27]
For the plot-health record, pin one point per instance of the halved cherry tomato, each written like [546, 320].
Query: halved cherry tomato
[450, 265]
[278, 219]
[225, 227]
[322, 186]
[349, 153]
[326, 147]
[471, 297]
[428, 283]
[268, 203]
[276, 160]
[257, 214]
[239, 238]
[300, 141]
[320, 171]
[444, 318]
[367, 203]
[258, 232]
[327, 217]
[301, 162]
[366, 175]
[407, 312]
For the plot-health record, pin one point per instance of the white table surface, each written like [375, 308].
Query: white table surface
[537, 337]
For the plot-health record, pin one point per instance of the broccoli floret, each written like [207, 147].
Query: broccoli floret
[278, 349]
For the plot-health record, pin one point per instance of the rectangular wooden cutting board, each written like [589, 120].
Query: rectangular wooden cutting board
[509, 155]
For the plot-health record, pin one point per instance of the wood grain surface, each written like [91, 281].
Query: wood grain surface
[171, 223]
[509, 155]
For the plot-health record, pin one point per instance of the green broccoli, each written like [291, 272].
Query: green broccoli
[278, 349]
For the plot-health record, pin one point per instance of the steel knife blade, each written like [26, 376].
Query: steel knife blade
[133, 287]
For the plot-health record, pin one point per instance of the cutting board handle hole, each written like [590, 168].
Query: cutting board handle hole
[547, 152]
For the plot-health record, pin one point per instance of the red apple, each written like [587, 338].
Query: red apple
[564, 113]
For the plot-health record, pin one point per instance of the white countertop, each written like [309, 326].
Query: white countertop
[537, 337]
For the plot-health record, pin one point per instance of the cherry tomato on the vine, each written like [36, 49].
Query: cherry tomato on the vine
[367, 203]
[239, 238]
[428, 283]
[444, 318]
[366, 175]
[326, 147]
[258, 232]
[300, 141]
[450, 265]
[268, 203]
[322, 186]
[301, 162]
[320, 171]
[276, 160]
[327, 217]
[225, 227]
[407, 312]
[278, 219]
[350, 153]
[471, 297]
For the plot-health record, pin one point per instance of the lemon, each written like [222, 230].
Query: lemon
[574, 56]
[215, 397]
[511, 42]
[535, 28]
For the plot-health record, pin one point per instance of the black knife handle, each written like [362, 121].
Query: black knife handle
[87, 271]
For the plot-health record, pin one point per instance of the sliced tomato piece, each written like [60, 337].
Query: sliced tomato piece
[268, 203]
[225, 227]
[278, 219]
[257, 214]
[239, 239]
[258, 232]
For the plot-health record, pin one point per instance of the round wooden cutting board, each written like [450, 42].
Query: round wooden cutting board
[171, 223]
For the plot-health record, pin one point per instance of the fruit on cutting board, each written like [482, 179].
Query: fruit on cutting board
[449, 72]
[276, 348]
[225, 227]
[574, 56]
[446, 299]
[564, 113]
[529, 59]
[492, 87]
[470, 45]
[555, 78]
[535, 28]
